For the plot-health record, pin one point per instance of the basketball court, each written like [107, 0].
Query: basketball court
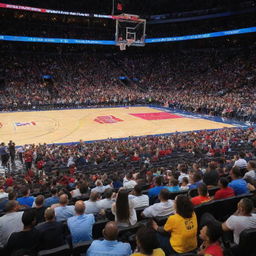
[72, 125]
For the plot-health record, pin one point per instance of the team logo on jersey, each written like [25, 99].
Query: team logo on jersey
[107, 119]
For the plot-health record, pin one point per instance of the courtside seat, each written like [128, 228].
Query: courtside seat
[63, 250]
[80, 249]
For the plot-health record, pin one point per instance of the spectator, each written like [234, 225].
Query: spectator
[82, 189]
[146, 240]
[196, 180]
[173, 185]
[182, 168]
[109, 246]
[54, 199]
[184, 184]
[39, 209]
[139, 200]
[182, 227]
[107, 202]
[11, 222]
[202, 197]
[52, 233]
[123, 209]
[80, 226]
[28, 238]
[91, 205]
[251, 174]
[64, 211]
[238, 184]
[211, 175]
[100, 188]
[164, 208]
[224, 191]
[210, 235]
[128, 182]
[153, 192]
[241, 220]
[26, 200]
[241, 162]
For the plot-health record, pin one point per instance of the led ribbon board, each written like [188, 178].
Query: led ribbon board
[110, 42]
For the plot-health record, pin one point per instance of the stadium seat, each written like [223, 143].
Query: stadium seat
[97, 228]
[63, 250]
[139, 210]
[81, 248]
[246, 243]
[173, 195]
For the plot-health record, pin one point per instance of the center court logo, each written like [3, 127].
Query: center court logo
[25, 123]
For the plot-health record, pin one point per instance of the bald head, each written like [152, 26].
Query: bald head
[49, 214]
[79, 207]
[110, 232]
[63, 199]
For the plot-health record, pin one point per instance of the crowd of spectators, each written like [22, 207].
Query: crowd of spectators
[43, 208]
[214, 83]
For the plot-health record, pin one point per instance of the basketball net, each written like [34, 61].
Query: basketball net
[124, 44]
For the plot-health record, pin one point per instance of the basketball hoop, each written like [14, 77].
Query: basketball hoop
[122, 46]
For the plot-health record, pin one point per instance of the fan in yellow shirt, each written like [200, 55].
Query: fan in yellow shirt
[147, 243]
[182, 227]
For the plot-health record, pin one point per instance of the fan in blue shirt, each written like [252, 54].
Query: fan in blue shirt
[81, 225]
[26, 200]
[238, 184]
[158, 187]
[109, 246]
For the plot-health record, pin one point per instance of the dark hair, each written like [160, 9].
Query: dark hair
[196, 176]
[24, 191]
[10, 205]
[39, 200]
[252, 164]
[28, 217]
[129, 175]
[147, 239]
[158, 180]
[108, 193]
[138, 189]
[185, 179]
[12, 195]
[242, 154]
[174, 182]
[183, 168]
[214, 231]
[184, 206]
[83, 188]
[247, 205]
[202, 189]
[164, 194]
[122, 206]
[53, 191]
[236, 171]
[224, 182]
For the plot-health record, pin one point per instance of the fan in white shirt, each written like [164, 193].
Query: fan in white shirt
[251, 167]
[107, 202]
[241, 220]
[139, 200]
[128, 182]
[164, 208]
[100, 188]
[241, 162]
[91, 205]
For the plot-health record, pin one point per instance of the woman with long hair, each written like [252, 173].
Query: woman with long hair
[181, 226]
[123, 209]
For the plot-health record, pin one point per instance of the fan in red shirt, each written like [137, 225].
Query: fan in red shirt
[225, 191]
[210, 234]
[203, 195]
